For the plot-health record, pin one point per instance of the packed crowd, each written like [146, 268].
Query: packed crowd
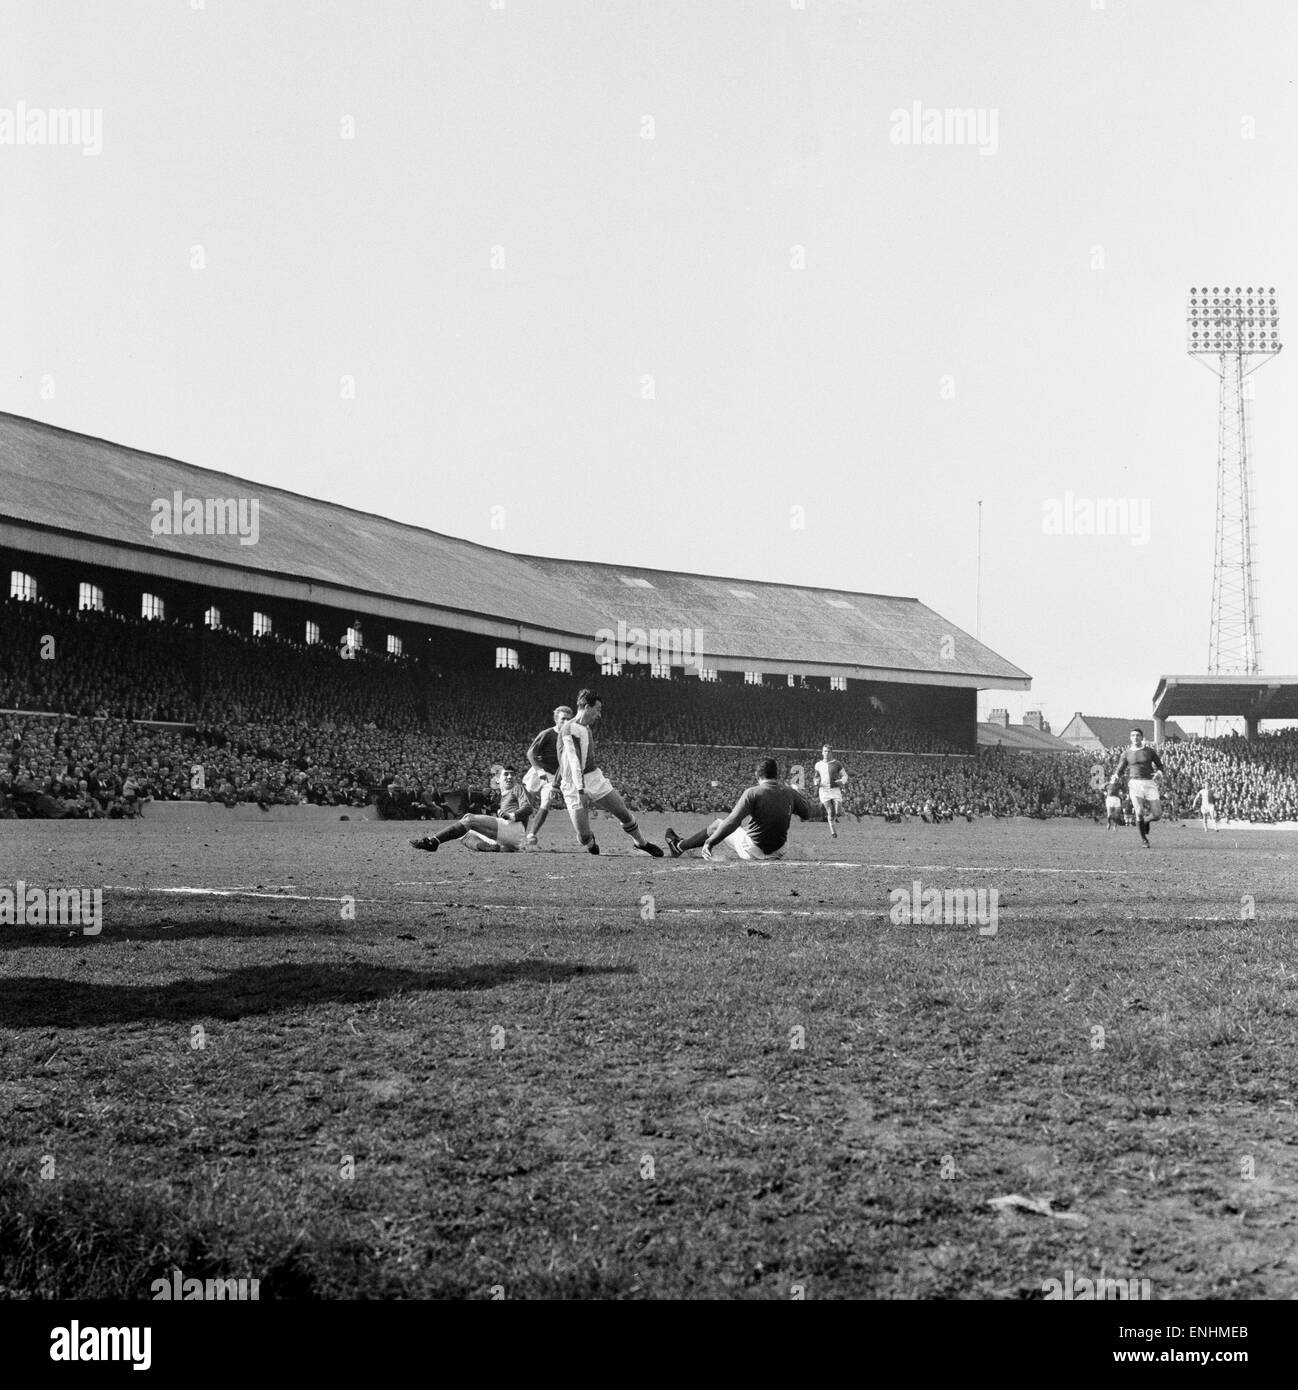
[83, 766]
[93, 663]
[1255, 781]
[103, 664]
[267, 721]
[685, 710]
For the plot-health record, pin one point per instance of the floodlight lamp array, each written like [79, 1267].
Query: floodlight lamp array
[1239, 319]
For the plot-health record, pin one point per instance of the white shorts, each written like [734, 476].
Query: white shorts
[509, 835]
[1143, 787]
[742, 843]
[831, 796]
[597, 786]
[542, 786]
[1210, 811]
[1112, 803]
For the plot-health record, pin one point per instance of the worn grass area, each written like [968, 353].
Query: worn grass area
[500, 1075]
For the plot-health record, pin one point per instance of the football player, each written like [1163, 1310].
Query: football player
[487, 832]
[1144, 768]
[831, 778]
[584, 785]
[757, 828]
[542, 776]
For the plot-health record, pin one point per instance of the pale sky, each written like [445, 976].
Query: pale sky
[291, 194]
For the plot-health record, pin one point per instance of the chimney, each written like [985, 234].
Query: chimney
[1000, 717]
[1032, 720]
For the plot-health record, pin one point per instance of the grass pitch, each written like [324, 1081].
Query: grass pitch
[557, 1076]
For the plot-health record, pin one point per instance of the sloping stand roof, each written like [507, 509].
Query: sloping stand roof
[83, 498]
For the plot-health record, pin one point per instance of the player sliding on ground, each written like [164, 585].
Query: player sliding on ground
[831, 778]
[758, 827]
[542, 778]
[1144, 767]
[584, 785]
[488, 832]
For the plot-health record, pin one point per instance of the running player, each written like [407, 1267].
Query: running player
[757, 828]
[831, 778]
[1203, 803]
[542, 777]
[1112, 810]
[584, 785]
[487, 832]
[1143, 767]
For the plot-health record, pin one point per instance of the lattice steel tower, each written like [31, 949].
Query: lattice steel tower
[1233, 332]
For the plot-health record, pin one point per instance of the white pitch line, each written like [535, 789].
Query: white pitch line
[774, 865]
[231, 893]
[530, 907]
[500, 907]
[1145, 871]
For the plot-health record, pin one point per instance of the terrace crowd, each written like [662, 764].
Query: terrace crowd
[268, 721]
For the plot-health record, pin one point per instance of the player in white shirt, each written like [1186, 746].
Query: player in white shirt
[1203, 803]
[584, 785]
[831, 778]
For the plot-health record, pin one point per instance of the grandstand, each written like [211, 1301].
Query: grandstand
[388, 666]
[242, 620]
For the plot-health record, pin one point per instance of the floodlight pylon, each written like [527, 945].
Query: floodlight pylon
[1233, 332]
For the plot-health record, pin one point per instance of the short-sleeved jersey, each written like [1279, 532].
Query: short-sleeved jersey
[764, 812]
[1138, 762]
[830, 774]
[545, 750]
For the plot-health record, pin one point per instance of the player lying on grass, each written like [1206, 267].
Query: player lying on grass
[1143, 767]
[488, 832]
[542, 776]
[584, 785]
[757, 828]
[831, 778]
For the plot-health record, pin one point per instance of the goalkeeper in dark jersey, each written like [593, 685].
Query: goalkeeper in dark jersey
[757, 828]
[1143, 767]
[488, 833]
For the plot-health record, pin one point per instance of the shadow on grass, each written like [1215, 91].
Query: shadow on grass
[38, 1001]
[171, 929]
